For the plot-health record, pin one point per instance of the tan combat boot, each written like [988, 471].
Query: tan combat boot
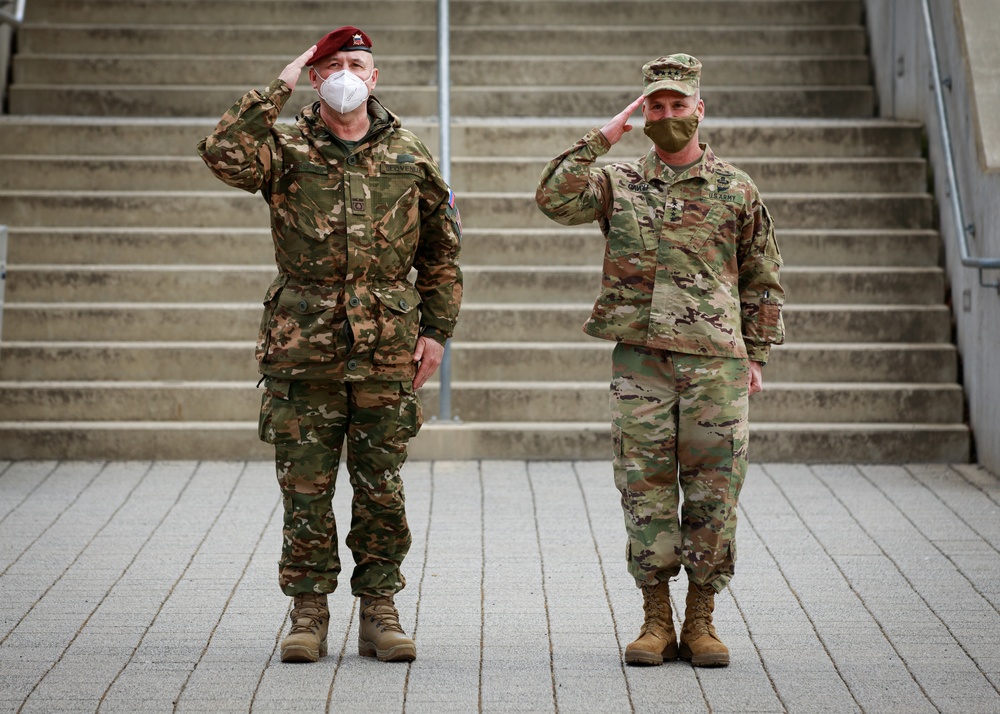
[700, 645]
[306, 642]
[380, 634]
[657, 640]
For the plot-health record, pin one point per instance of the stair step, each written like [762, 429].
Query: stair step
[473, 401]
[557, 322]
[799, 248]
[480, 246]
[201, 101]
[799, 443]
[462, 12]
[490, 361]
[465, 70]
[772, 138]
[288, 40]
[232, 208]
[563, 284]
[165, 173]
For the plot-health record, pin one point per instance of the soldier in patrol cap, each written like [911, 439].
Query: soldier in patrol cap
[690, 294]
[356, 201]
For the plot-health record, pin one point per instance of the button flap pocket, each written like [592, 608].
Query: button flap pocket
[401, 299]
[305, 300]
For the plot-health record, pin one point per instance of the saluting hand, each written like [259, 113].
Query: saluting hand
[292, 72]
[616, 128]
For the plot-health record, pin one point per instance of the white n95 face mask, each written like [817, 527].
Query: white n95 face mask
[344, 91]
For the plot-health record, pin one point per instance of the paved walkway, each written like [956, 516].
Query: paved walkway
[150, 587]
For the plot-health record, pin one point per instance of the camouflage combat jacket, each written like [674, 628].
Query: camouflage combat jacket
[347, 228]
[691, 263]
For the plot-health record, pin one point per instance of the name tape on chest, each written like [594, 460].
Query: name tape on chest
[401, 169]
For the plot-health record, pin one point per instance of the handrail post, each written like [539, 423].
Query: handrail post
[444, 153]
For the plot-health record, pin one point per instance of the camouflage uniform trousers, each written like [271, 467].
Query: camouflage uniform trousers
[307, 422]
[679, 424]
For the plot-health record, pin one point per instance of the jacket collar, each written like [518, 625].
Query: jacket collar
[382, 120]
[654, 169]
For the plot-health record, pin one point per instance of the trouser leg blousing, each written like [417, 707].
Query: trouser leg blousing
[306, 641]
[657, 641]
[380, 634]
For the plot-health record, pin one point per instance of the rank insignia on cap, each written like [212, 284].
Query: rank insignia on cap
[343, 39]
[676, 73]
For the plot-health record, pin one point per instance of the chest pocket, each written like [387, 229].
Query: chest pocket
[635, 223]
[304, 202]
[702, 226]
[396, 198]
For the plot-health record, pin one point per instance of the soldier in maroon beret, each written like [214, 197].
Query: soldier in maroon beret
[346, 339]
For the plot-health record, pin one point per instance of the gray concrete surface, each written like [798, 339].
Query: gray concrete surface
[969, 56]
[151, 587]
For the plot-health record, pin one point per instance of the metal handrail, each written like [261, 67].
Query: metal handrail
[17, 18]
[444, 154]
[3, 273]
[962, 228]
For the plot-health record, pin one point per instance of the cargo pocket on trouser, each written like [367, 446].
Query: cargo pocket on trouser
[279, 421]
[411, 413]
[384, 417]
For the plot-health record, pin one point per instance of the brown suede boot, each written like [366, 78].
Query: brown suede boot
[306, 642]
[657, 640]
[380, 634]
[700, 645]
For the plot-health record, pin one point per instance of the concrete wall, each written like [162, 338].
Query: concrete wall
[968, 53]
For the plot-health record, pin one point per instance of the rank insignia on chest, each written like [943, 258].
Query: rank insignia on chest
[358, 205]
[673, 210]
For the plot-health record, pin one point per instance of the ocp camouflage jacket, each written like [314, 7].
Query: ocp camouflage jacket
[347, 228]
[691, 263]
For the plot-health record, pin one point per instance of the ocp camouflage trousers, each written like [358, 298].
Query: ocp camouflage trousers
[679, 425]
[307, 422]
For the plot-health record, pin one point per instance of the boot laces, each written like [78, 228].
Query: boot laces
[383, 613]
[307, 615]
[657, 611]
[701, 616]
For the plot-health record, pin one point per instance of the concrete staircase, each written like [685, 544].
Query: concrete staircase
[136, 277]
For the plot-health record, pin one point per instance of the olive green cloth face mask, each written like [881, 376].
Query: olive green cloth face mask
[673, 133]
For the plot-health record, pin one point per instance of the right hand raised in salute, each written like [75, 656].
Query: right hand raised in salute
[616, 128]
[292, 72]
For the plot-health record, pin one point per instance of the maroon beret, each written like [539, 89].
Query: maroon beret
[343, 39]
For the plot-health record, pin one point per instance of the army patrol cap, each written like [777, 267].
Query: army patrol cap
[343, 39]
[677, 73]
